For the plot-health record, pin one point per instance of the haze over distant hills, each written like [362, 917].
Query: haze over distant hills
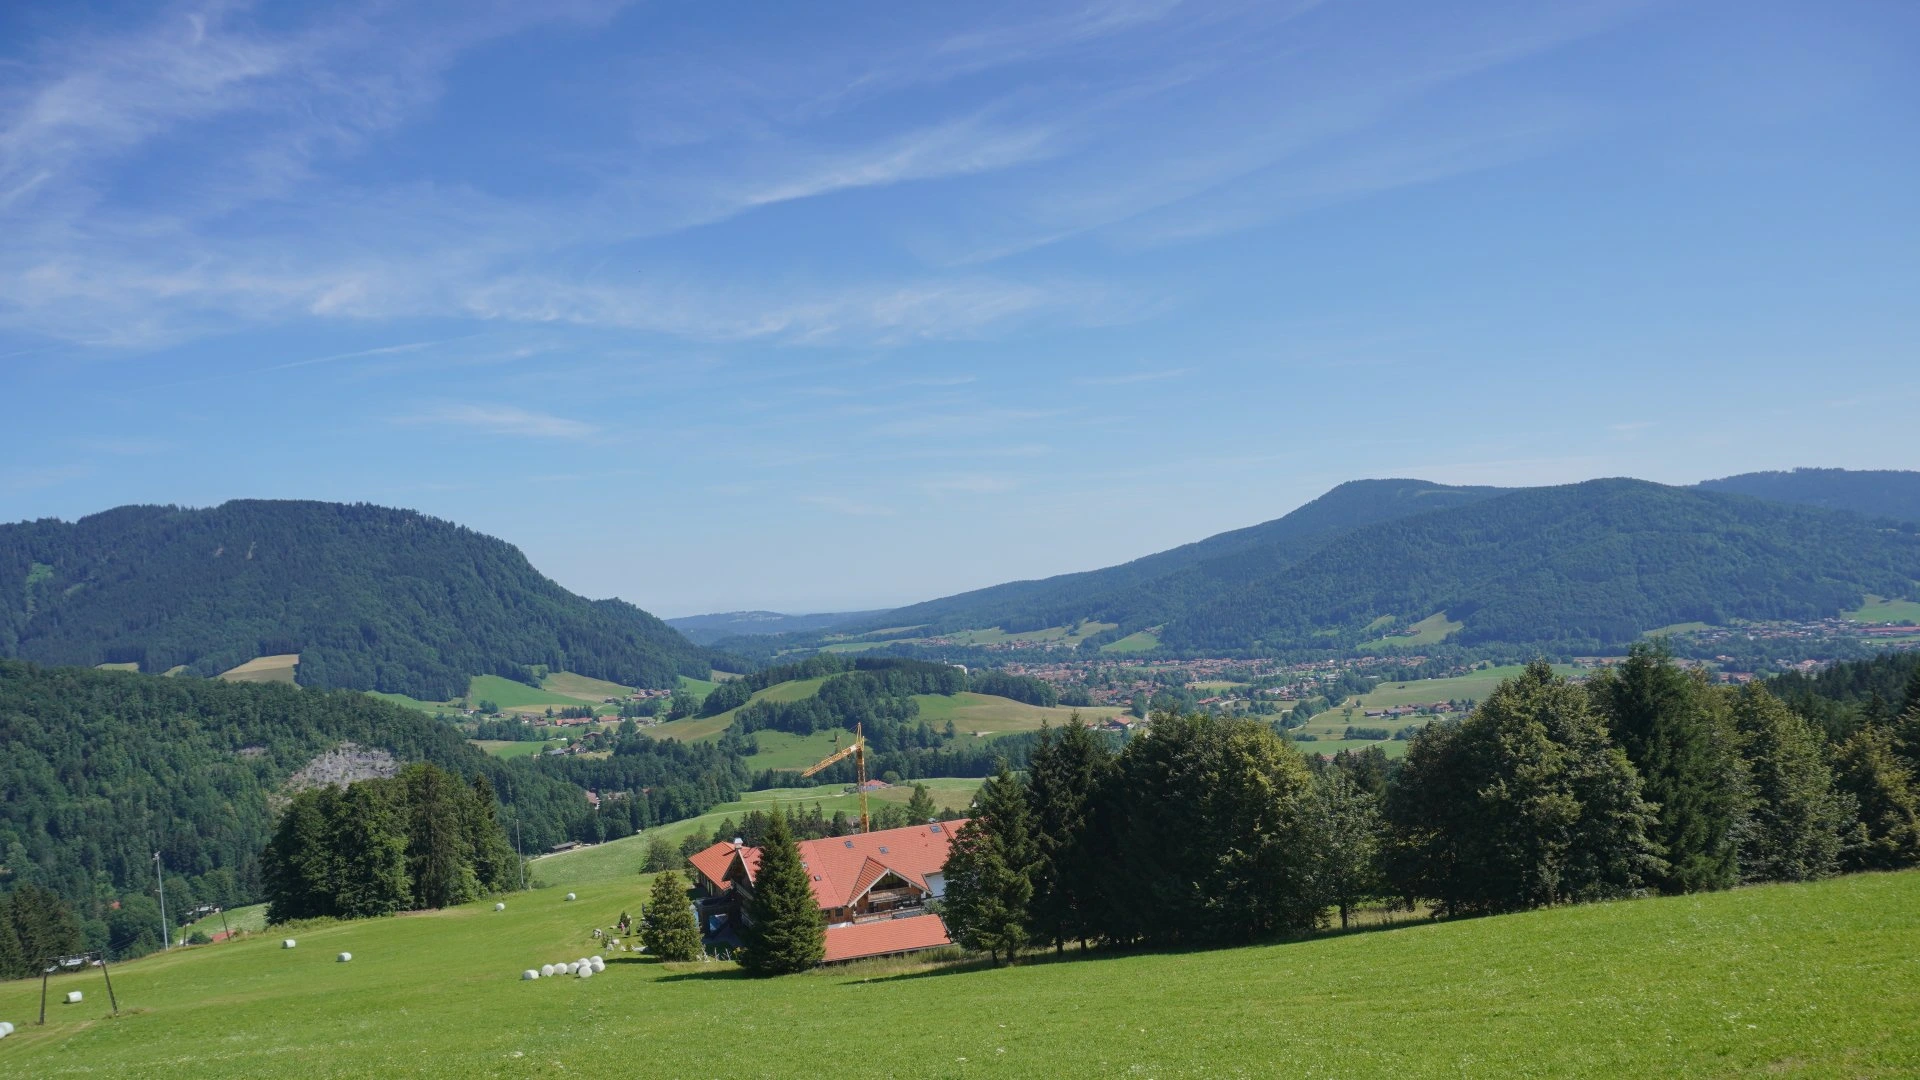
[1874, 492]
[371, 598]
[706, 629]
[1579, 566]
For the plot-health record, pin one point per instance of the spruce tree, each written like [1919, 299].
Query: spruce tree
[369, 841]
[786, 931]
[439, 861]
[1871, 769]
[13, 962]
[988, 872]
[1064, 776]
[667, 927]
[1675, 731]
[920, 808]
[1796, 818]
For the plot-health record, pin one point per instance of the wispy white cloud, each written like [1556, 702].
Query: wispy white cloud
[510, 420]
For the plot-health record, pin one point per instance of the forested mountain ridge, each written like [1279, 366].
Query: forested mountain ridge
[1113, 593]
[371, 598]
[1887, 493]
[1582, 565]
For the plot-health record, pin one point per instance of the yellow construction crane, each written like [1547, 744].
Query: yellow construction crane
[858, 750]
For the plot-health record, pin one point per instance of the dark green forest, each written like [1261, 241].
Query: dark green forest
[1573, 569]
[371, 598]
[1880, 493]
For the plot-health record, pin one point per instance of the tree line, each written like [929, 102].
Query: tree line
[1645, 779]
[421, 839]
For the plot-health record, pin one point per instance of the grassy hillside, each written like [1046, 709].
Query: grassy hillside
[1800, 980]
[1327, 727]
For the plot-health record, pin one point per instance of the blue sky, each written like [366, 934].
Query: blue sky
[812, 307]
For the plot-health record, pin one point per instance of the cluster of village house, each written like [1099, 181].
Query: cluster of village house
[872, 888]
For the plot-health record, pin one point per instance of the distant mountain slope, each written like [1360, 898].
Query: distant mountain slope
[1585, 564]
[707, 629]
[370, 597]
[1115, 593]
[1874, 492]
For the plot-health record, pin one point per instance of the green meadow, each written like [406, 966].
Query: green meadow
[982, 715]
[1329, 726]
[1881, 610]
[1813, 980]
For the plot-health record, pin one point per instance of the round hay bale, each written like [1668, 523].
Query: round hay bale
[529, 975]
[586, 971]
[345, 956]
[74, 997]
[500, 907]
[6, 1029]
[287, 944]
[546, 971]
[599, 965]
[573, 968]
[570, 896]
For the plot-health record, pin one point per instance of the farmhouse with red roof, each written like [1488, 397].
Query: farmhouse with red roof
[873, 887]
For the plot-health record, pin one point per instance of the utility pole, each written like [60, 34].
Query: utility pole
[165, 940]
[109, 977]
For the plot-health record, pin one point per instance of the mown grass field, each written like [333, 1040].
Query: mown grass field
[251, 918]
[1881, 610]
[1431, 630]
[502, 748]
[971, 713]
[1137, 642]
[278, 668]
[1807, 980]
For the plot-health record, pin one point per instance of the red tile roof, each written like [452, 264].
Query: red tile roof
[836, 864]
[714, 862]
[885, 937]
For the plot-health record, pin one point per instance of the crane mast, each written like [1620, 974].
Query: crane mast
[857, 750]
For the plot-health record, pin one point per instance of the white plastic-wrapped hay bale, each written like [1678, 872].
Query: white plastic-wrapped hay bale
[529, 975]
[500, 907]
[572, 968]
[586, 971]
[287, 943]
[546, 971]
[599, 965]
[74, 997]
[345, 956]
[6, 1029]
[570, 896]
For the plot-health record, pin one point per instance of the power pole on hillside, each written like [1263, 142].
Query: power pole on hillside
[165, 941]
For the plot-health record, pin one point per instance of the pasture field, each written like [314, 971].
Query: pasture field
[990, 715]
[1333, 723]
[1137, 642]
[278, 668]
[253, 917]
[785, 750]
[1879, 609]
[696, 728]
[129, 666]
[1431, 630]
[592, 691]
[505, 748]
[515, 696]
[1793, 980]
[1677, 628]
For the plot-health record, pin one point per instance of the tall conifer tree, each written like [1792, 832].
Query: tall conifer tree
[1870, 768]
[1676, 733]
[786, 931]
[989, 871]
[1068, 767]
